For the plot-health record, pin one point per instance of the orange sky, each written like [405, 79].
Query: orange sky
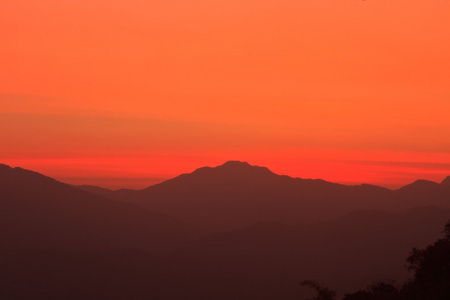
[126, 94]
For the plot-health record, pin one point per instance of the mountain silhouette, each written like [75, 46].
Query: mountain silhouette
[420, 186]
[446, 182]
[38, 212]
[238, 194]
[96, 190]
[261, 235]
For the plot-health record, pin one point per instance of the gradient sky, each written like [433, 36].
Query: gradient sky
[129, 93]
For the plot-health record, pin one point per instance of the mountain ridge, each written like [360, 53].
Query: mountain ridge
[237, 165]
[258, 236]
[446, 181]
[236, 194]
[49, 213]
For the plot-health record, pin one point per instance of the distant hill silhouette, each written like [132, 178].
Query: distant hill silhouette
[96, 190]
[446, 183]
[38, 212]
[259, 241]
[237, 194]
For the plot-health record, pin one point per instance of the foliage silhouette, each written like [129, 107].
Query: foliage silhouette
[431, 268]
[385, 290]
[323, 293]
[431, 280]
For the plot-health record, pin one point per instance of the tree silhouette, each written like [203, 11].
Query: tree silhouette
[431, 267]
[323, 293]
[431, 281]
[381, 290]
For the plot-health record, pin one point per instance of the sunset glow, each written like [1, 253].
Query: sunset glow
[128, 94]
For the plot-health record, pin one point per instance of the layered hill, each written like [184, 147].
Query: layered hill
[65, 242]
[237, 194]
[264, 261]
[38, 212]
[344, 254]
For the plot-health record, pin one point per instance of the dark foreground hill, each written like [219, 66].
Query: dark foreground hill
[237, 194]
[344, 254]
[265, 261]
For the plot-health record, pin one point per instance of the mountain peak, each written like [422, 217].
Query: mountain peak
[20, 171]
[237, 170]
[446, 181]
[242, 166]
[235, 164]
[4, 167]
[419, 185]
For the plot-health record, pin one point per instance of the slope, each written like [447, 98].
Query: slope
[237, 194]
[38, 212]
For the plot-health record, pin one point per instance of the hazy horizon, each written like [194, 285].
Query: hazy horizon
[144, 182]
[347, 91]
